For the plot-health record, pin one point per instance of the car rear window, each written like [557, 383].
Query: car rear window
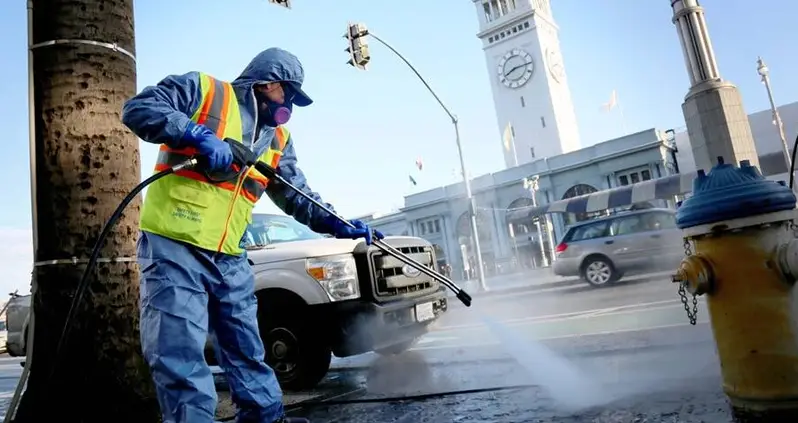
[587, 231]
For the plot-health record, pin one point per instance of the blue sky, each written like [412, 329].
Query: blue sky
[359, 141]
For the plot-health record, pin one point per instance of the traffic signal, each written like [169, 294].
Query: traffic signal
[358, 48]
[284, 3]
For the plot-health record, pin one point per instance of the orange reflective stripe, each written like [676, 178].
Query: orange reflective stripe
[226, 94]
[215, 107]
[276, 159]
[197, 176]
[206, 105]
[186, 151]
[253, 188]
[280, 139]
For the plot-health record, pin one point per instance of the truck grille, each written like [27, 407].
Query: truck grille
[389, 279]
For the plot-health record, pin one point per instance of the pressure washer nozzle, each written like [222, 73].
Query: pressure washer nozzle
[464, 297]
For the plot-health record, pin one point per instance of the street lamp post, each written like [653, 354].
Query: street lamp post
[359, 57]
[532, 185]
[763, 71]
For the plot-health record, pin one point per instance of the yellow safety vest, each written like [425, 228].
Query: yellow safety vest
[186, 206]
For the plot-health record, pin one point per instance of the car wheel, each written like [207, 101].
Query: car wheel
[396, 349]
[299, 359]
[599, 271]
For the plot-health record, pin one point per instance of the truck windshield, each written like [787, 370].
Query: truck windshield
[270, 229]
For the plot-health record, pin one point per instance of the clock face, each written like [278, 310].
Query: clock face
[515, 68]
[556, 68]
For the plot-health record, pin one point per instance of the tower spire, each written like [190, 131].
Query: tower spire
[688, 16]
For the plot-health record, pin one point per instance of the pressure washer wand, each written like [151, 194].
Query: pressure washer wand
[461, 295]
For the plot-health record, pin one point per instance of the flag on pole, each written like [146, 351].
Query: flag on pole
[509, 141]
[508, 137]
[412, 180]
[615, 104]
[608, 106]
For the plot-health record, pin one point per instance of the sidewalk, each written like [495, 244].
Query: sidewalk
[529, 279]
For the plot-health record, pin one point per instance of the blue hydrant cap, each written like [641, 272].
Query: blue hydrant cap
[730, 192]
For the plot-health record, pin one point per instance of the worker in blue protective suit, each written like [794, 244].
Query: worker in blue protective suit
[194, 272]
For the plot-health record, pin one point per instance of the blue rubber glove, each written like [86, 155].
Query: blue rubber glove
[361, 230]
[216, 152]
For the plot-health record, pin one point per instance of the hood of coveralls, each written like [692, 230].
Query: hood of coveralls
[275, 65]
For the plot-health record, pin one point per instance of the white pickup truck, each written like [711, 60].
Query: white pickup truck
[319, 295]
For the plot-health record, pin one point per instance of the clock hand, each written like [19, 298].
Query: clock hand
[514, 69]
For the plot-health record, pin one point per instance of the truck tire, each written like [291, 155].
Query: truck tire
[397, 349]
[295, 353]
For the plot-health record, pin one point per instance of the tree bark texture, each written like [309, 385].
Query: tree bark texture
[86, 162]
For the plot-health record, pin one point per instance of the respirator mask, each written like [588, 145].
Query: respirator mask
[274, 113]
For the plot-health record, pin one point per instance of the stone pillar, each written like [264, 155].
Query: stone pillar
[713, 109]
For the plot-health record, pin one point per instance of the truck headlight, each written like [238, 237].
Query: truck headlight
[336, 274]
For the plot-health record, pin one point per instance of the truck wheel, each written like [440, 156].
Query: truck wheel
[300, 361]
[397, 348]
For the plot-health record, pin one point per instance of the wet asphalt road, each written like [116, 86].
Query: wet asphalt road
[635, 358]
[10, 371]
[670, 375]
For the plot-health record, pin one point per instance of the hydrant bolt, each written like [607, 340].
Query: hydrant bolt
[787, 261]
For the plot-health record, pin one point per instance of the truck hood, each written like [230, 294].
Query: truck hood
[302, 249]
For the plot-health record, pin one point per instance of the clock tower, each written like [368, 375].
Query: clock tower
[530, 88]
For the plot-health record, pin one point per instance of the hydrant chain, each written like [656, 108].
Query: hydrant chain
[692, 315]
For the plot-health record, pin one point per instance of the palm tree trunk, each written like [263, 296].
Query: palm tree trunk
[86, 162]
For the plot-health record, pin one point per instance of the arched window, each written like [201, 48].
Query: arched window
[520, 227]
[463, 228]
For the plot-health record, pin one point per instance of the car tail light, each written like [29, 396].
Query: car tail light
[561, 247]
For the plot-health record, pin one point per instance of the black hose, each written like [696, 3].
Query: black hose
[95, 253]
[417, 397]
[383, 400]
[792, 162]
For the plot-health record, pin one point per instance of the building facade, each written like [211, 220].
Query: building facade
[440, 215]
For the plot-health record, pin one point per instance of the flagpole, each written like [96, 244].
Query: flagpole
[620, 111]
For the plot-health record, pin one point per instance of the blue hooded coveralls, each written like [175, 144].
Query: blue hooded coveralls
[187, 291]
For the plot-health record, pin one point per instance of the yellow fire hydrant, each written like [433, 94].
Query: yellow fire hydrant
[745, 261]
